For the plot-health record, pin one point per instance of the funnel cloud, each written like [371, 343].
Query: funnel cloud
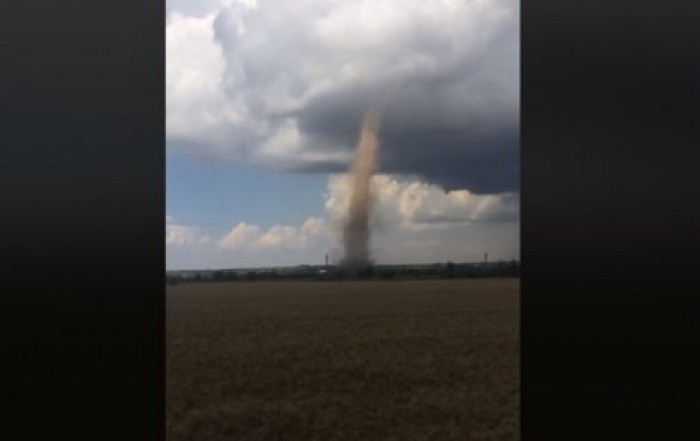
[356, 230]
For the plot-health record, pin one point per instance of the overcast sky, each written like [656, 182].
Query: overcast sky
[264, 101]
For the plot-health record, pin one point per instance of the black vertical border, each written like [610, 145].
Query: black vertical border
[82, 190]
[610, 219]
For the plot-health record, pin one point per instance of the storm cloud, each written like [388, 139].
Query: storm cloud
[285, 84]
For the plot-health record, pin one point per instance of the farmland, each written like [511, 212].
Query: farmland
[343, 360]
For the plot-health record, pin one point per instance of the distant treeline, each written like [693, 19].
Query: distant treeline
[377, 272]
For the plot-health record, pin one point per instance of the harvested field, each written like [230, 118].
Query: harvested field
[360, 360]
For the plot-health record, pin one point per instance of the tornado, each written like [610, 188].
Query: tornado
[356, 226]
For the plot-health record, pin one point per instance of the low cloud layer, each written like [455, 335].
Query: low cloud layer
[248, 237]
[413, 221]
[178, 235]
[285, 83]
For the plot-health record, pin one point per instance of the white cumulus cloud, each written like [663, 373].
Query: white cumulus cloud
[179, 235]
[415, 205]
[241, 235]
[249, 237]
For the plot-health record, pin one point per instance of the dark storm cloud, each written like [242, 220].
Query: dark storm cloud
[419, 136]
[300, 75]
[457, 159]
[451, 158]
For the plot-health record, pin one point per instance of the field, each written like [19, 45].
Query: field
[360, 360]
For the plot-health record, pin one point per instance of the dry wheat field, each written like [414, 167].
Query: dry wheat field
[350, 360]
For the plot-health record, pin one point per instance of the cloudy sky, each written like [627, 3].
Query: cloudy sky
[264, 102]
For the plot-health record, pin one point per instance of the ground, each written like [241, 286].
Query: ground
[360, 360]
